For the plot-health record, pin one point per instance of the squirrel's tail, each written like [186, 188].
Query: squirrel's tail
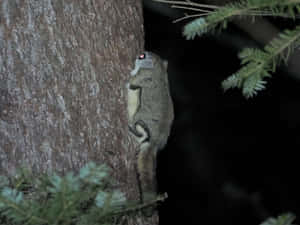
[146, 171]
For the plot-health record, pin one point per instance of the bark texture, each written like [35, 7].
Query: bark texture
[63, 69]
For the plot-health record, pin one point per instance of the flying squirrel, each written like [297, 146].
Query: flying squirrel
[150, 115]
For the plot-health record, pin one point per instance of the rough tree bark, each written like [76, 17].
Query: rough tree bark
[63, 69]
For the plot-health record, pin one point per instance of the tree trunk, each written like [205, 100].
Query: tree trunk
[63, 69]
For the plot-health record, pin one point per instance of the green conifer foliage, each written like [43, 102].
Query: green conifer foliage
[256, 64]
[90, 197]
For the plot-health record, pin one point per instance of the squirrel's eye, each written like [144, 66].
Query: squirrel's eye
[142, 56]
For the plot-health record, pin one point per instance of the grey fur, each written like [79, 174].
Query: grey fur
[151, 114]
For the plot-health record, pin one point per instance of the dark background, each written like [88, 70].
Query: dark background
[229, 160]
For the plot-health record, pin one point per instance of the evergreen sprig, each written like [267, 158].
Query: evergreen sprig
[256, 64]
[219, 16]
[90, 197]
[284, 219]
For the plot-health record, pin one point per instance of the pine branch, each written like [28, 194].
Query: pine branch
[87, 198]
[218, 17]
[221, 16]
[188, 3]
[259, 64]
[284, 219]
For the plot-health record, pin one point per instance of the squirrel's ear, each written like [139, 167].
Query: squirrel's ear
[165, 63]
